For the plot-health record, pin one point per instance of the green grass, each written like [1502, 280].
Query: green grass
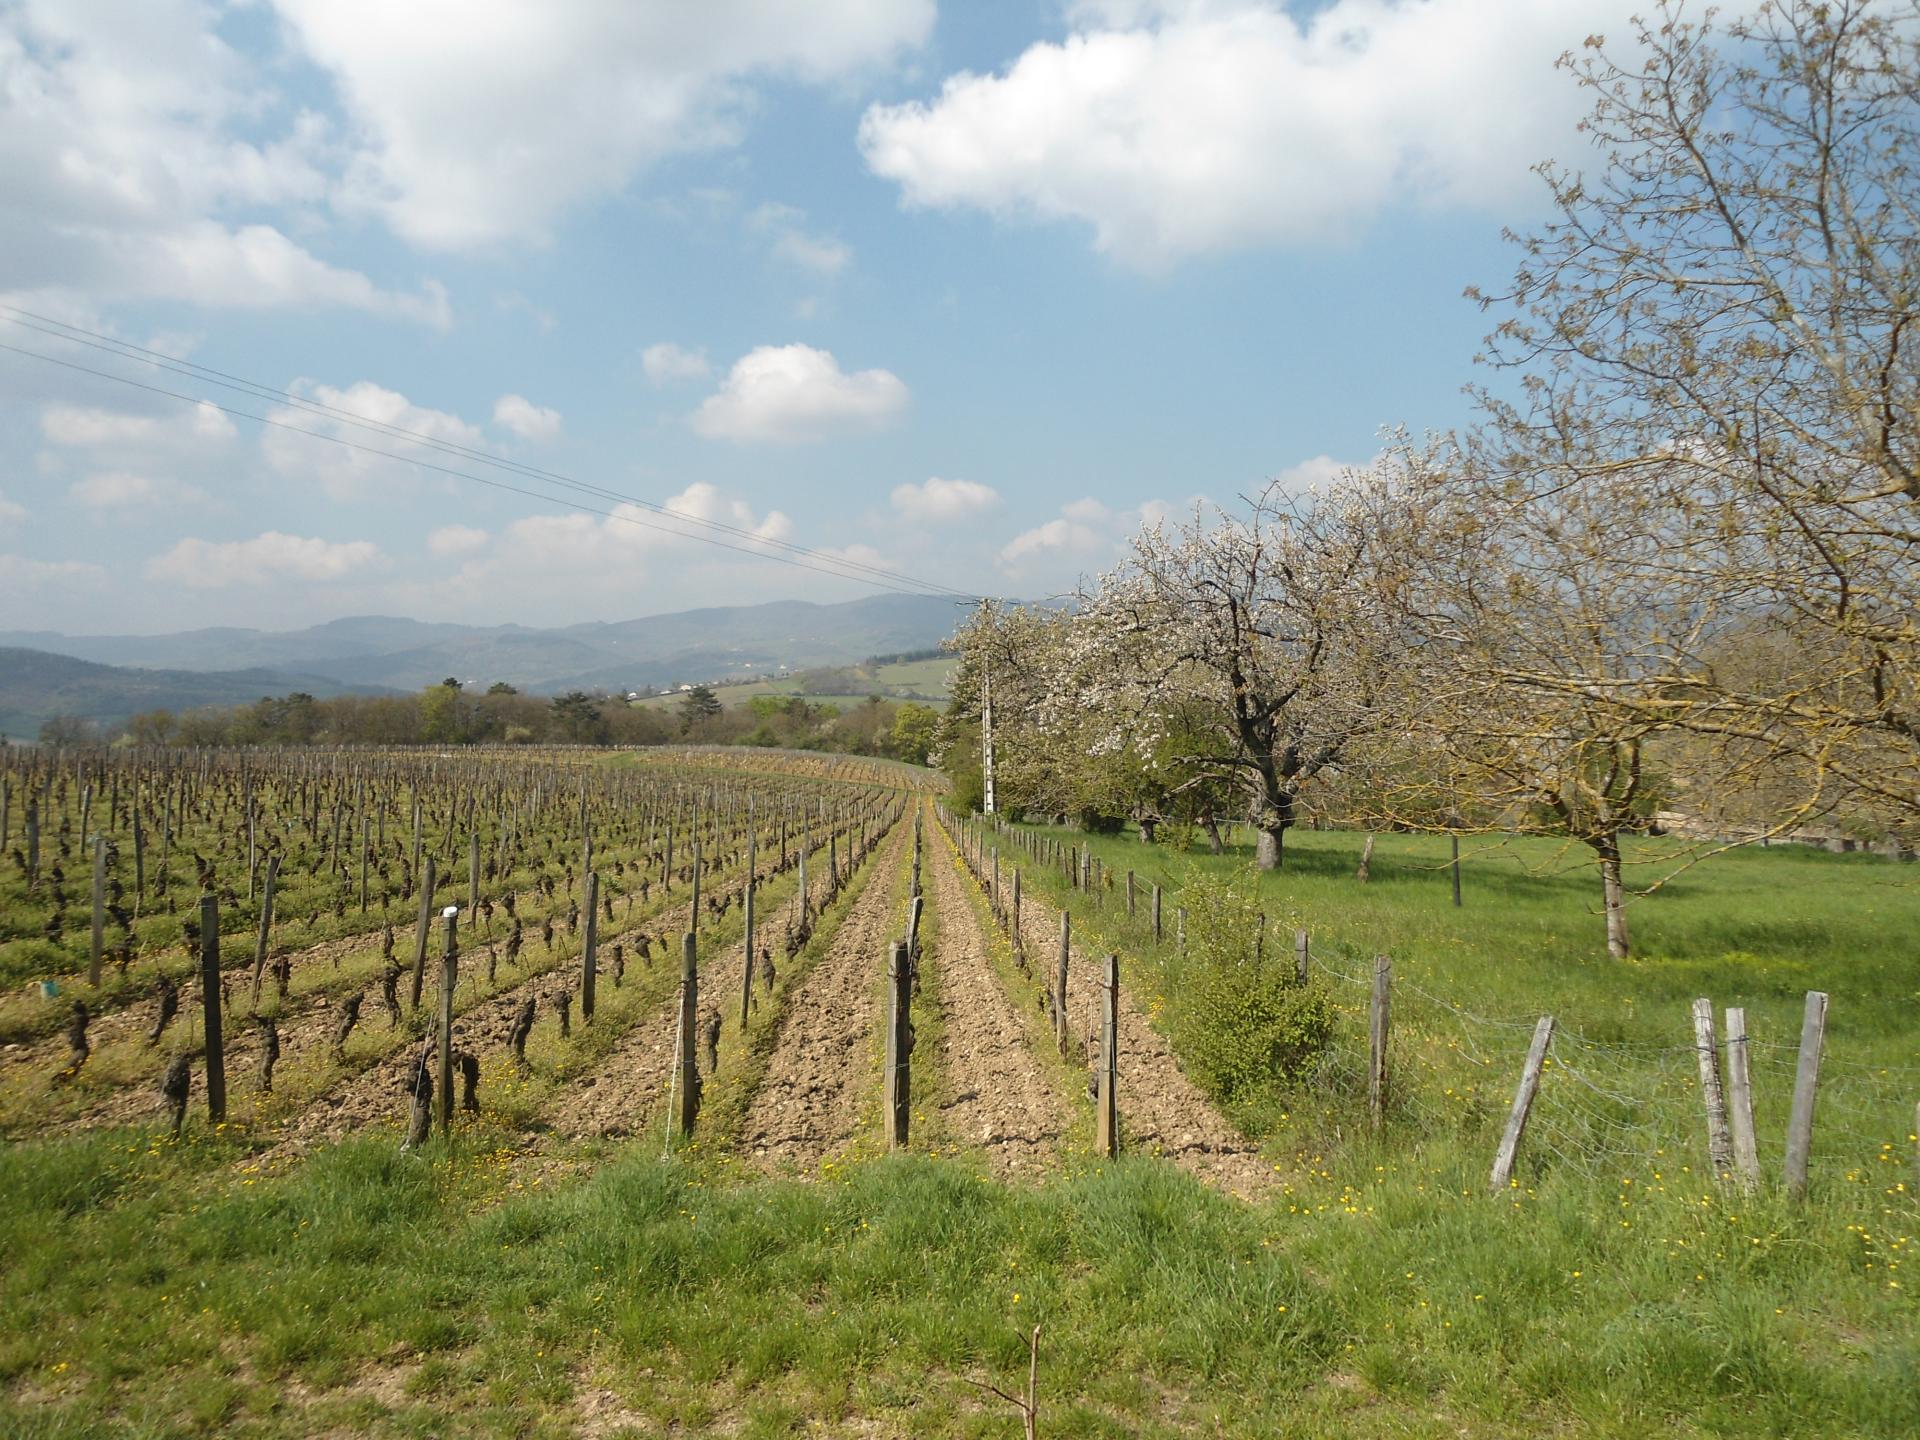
[152, 1290]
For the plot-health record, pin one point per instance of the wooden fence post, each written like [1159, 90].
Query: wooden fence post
[897, 1102]
[1302, 954]
[1806, 1088]
[262, 943]
[1129, 894]
[1377, 1023]
[1746, 1149]
[1106, 1115]
[99, 910]
[1719, 1139]
[590, 951]
[449, 977]
[1060, 1028]
[1522, 1106]
[425, 925]
[689, 1013]
[1156, 915]
[210, 1007]
[1455, 867]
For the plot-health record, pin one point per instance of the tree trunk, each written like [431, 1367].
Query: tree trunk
[1147, 828]
[1270, 849]
[1214, 842]
[1366, 861]
[1618, 945]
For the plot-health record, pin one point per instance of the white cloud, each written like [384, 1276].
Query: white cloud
[128, 489]
[1184, 127]
[269, 558]
[20, 575]
[11, 512]
[483, 124]
[665, 362]
[1086, 535]
[526, 419]
[938, 500]
[456, 540]
[580, 540]
[92, 428]
[793, 393]
[346, 474]
[794, 244]
[137, 152]
[1315, 474]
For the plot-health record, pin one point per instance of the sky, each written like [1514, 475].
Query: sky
[962, 291]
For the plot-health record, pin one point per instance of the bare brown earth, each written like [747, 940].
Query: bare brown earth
[995, 1095]
[1162, 1112]
[819, 1083]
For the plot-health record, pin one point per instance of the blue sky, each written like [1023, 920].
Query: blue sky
[967, 290]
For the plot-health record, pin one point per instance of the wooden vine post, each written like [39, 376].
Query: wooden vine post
[449, 977]
[98, 940]
[1060, 1026]
[210, 1008]
[897, 1103]
[426, 920]
[263, 940]
[689, 1067]
[590, 951]
[1504, 1157]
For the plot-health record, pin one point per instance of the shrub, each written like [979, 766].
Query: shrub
[1244, 1023]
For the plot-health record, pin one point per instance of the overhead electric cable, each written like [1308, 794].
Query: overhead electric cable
[794, 560]
[846, 567]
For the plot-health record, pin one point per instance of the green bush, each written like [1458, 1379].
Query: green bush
[1243, 1022]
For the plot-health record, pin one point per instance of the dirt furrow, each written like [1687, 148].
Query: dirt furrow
[994, 1095]
[814, 1098]
[1161, 1110]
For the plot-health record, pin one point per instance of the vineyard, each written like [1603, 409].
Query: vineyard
[582, 1092]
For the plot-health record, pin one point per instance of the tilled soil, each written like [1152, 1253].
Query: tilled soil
[1161, 1110]
[815, 1096]
[995, 1095]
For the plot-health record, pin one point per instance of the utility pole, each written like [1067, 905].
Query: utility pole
[986, 740]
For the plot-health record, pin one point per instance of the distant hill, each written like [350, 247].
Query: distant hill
[367, 652]
[34, 686]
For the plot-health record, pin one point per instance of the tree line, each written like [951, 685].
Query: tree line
[1673, 572]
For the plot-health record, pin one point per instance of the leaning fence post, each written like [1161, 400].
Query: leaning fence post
[1522, 1106]
[899, 1071]
[1377, 1040]
[1746, 1151]
[1719, 1139]
[1106, 1119]
[210, 1007]
[1806, 1088]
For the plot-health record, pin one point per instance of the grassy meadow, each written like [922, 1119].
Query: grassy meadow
[501, 1287]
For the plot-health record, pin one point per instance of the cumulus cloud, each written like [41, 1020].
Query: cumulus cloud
[456, 540]
[1086, 535]
[109, 432]
[526, 419]
[130, 489]
[665, 362]
[938, 500]
[268, 558]
[346, 474]
[483, 124]
[1184, 127]
[137, 150]
[795, 393]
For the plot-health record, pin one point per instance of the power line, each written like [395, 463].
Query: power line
[796, 561]
[845, 567]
